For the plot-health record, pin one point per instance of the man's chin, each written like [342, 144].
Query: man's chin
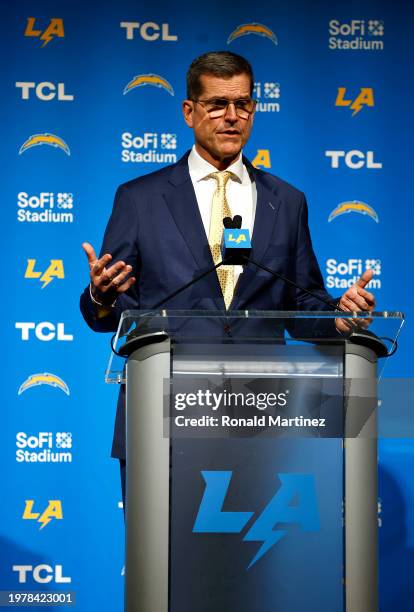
[231, 150]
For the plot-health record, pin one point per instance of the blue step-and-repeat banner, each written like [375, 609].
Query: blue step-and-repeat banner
[91, 98]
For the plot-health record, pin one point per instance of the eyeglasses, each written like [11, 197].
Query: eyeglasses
[217, 107]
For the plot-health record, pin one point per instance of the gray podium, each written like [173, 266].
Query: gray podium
[251, 460]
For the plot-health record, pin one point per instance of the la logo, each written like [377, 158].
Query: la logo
[55, 28]
[54, 270]
[239, 238]
[364, 98]
[53, 511]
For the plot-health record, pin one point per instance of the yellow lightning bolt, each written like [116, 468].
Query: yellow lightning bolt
[44, 520]
[47, 38]
[354, 206]
[46, 278]
[47, 35]
[47, 379]
[252, 28]
[356, 107]
[48, 139]
[149, 79]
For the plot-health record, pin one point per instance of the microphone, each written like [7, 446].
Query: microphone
[237, 221]
[236, 245]
[234, 223]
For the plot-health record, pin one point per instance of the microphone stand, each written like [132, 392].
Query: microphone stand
[138, 335]
[358, 335]
[333, 305]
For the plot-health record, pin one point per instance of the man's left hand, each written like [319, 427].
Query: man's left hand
[355, 299]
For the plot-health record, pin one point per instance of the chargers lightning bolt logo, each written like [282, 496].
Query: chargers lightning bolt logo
[294, 502]
[44, 139]
[149, 79]
[353, 206]
[45, 378]
[252, 28]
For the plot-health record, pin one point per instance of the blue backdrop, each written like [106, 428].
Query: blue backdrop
[334, 118]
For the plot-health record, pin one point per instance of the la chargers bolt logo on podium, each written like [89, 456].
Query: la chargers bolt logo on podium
[266, 528]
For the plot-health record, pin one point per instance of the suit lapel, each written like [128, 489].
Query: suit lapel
[182, 203]
[267, 208]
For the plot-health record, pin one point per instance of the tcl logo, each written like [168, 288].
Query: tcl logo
[45, 91]
[148, 31]
[44, 331]
[41, 573]
[353, 159]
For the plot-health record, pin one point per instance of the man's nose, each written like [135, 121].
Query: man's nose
[230, 114]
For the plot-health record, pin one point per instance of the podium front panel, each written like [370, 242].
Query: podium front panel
[256, 511]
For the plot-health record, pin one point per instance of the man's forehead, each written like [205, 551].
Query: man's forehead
[237, 85]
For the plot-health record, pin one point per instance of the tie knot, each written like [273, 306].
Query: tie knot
[221, 177]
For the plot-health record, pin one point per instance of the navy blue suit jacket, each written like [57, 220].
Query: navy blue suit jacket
[156, 227]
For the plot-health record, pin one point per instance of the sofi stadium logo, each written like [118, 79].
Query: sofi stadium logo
[149, 147]
[43, 515]
[258, 29]
[344, 274]
[267, 94]
[45, 31]
[44, 447]
[45, 207]
[357, 34]
[271, 525]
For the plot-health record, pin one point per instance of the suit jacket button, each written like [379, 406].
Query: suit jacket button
[227, 329]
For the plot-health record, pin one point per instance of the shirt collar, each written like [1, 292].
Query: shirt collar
[200, 168]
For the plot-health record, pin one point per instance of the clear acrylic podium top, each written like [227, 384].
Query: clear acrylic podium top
[247, 326]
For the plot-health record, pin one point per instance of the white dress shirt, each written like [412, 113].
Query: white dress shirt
[240, 191]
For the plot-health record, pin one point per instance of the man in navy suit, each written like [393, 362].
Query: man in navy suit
[157, 237]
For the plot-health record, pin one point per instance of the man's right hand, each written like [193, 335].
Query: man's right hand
[107, 282]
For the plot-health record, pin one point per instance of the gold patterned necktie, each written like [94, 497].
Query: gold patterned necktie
[220, 209]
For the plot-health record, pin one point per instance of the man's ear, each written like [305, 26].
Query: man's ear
[188, 109]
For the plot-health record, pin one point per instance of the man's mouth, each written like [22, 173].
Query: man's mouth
[230, 132]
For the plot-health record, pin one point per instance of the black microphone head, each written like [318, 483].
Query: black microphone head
[228, 222]
[237, 222]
